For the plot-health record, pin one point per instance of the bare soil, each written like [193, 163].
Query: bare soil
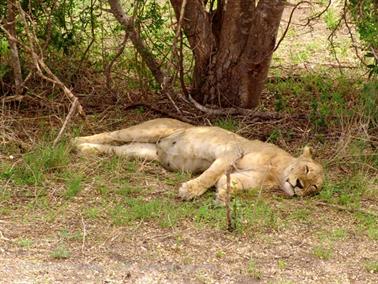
[146, 253]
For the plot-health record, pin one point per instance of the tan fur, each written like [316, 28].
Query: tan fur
[211, 151]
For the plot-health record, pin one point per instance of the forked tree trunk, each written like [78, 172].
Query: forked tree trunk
[232, 47]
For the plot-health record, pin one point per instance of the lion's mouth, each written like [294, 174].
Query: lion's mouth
[291, 189]
[288, 189]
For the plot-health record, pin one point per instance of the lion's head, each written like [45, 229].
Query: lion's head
[304, 176]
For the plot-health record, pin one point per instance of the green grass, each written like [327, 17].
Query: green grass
[60, 252]
[371, 266]
[322, 251]
[24, 243]
[73, 186]
[253, 270]
[35, 166]
[68, 235]
[282, 264]
[92, 213]
[368, 224]
[301, 214]
[347, 191]
[228, 123]
[177, 178]
[331, 18]
[165, 211]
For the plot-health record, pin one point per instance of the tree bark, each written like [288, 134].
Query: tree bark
[232, 48]
[198, 30]
[10, 26]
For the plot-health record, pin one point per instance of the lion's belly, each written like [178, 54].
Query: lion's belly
[175, 152]
[182, 162]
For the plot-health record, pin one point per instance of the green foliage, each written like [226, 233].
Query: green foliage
[365, 14]
[282, 264]
[4, 50]
[369, 101]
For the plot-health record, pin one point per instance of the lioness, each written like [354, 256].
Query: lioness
[211, 151]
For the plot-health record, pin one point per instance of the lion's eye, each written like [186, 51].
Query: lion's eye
[307, 169]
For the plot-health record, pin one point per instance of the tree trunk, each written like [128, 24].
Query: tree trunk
[10, 26]
[232, 47]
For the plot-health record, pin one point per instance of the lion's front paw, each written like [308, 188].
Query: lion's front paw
[190, 190]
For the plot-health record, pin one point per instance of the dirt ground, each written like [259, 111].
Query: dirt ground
[147, 254]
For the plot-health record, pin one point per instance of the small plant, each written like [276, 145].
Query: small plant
[127, 190]
[338, 234]
[301, 214]
[252, 269]
[331, 19]
[92, 213]
[282, 264]
[60, 252]
[227, 123]
[274, 136]
[369, 224]
[220, 254]
[322, 252]
[371, 266]
[24, 243]
[178, 178]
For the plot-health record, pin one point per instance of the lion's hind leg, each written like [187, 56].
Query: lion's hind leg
[146, 151]
[147, 132]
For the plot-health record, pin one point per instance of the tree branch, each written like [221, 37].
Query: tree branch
[141, 47]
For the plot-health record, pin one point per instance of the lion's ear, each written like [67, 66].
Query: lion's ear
[307, 152]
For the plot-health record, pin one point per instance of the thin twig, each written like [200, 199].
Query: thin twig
[319, 14]
[68, 118]
[108, 68]
[288, 24]
[84, 234]
[230, 226]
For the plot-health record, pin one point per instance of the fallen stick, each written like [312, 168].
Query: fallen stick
[349, 209]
